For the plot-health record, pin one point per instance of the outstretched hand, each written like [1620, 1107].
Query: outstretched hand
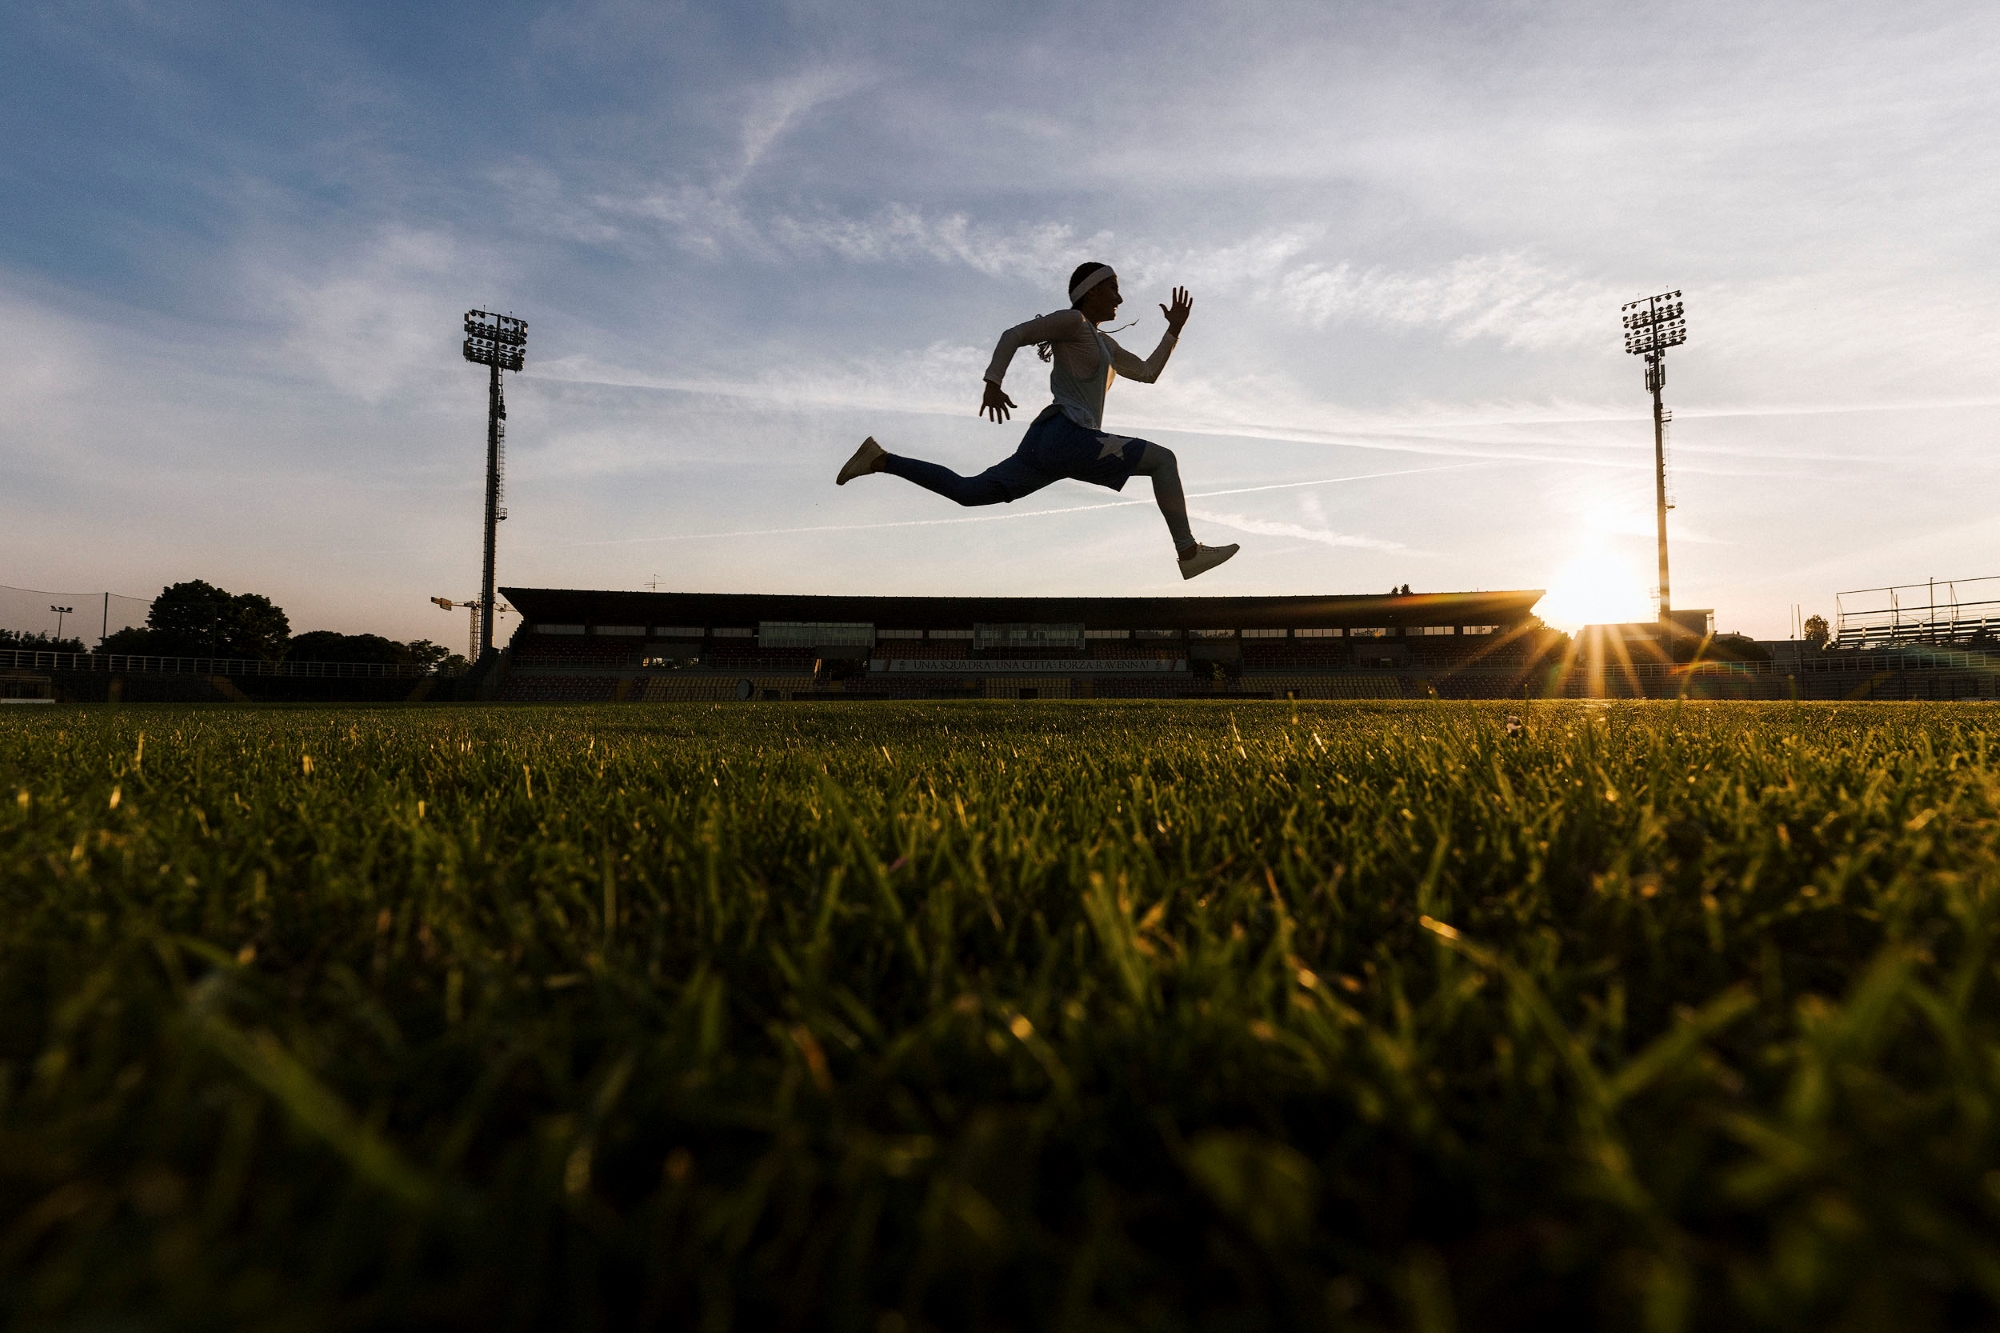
[1178, 315]
[996, 404]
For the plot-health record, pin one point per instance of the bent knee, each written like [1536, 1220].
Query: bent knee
[1156, 458]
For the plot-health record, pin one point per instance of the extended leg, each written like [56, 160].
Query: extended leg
[1009, 479]
[1159, 464]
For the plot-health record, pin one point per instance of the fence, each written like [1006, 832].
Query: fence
[20, 660]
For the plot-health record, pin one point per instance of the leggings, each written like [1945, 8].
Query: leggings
[1011, 478]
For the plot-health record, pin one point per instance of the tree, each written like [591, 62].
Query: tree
[1816, 632]
[198, 619]
[43, 642]
[325, 645]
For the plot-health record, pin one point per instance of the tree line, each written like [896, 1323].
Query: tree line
[198, 619]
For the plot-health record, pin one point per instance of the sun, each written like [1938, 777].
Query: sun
[1602, 584]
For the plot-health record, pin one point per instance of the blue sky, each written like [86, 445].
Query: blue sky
[236, 241]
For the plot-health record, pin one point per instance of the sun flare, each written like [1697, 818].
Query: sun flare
[1601, 585]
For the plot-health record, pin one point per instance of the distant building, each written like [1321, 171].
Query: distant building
[1647, 641]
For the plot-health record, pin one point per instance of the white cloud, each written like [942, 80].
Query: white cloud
[1505, 296]
[376, 320]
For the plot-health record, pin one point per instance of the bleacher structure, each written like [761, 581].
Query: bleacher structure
[659, 646]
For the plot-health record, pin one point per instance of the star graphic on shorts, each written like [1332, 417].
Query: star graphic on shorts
[1114, 445]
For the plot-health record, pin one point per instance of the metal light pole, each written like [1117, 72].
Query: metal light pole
[499, 342]
[1651, 327]
[61, 611]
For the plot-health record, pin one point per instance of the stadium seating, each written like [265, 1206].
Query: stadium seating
[900, 651]
[1477, 685]
[768, 660]
[575, 650]
[1131, 651]
[910, 685]
[1438, 651]
[1327, 687]
[1175, 686]
[559, 689]
[685, 686]
[1030, 654]
[1496, 652]
[1295, 655]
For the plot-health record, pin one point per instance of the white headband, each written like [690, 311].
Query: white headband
[1090, 279]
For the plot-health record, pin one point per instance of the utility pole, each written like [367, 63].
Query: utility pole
[1652, 326]
[498, 342]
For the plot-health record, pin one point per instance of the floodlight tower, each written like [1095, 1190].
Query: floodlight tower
[499, 342]
[1652, 326]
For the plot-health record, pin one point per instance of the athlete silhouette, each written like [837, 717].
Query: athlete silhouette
[1068, 438]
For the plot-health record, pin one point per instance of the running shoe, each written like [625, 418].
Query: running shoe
[868, 458]
[1205, 558]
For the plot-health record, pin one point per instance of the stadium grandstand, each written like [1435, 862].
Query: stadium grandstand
[606, 646]
[637, 646]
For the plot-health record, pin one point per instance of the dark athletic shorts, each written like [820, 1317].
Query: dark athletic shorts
[1056, 447]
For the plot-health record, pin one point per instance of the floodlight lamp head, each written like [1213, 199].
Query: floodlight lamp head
[495, 340]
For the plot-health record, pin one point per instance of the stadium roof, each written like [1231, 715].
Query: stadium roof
[710, 609]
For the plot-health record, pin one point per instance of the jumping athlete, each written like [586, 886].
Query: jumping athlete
[1068, 438]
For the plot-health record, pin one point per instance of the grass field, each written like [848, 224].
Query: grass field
[888, 1017]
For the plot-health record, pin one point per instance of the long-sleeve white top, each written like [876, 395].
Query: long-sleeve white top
[1086, 361]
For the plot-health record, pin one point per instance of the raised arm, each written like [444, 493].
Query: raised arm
[1131, 367]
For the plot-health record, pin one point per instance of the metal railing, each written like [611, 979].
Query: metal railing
[133, 663]
[1948, 612]
[1910, 658]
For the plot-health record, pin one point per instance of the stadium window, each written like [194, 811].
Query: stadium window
[1027, 636]
[634, 631]
[678, 632]
[899, 634]
[1435, 629]
[1107, 634]
[1211, 634]
[1263, 634]
[735, 633]
[950, 633]
[814, 634]
[1156, 634]
[1316, 633]
[558, 629]
[1368, 632]
[1481, 629]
